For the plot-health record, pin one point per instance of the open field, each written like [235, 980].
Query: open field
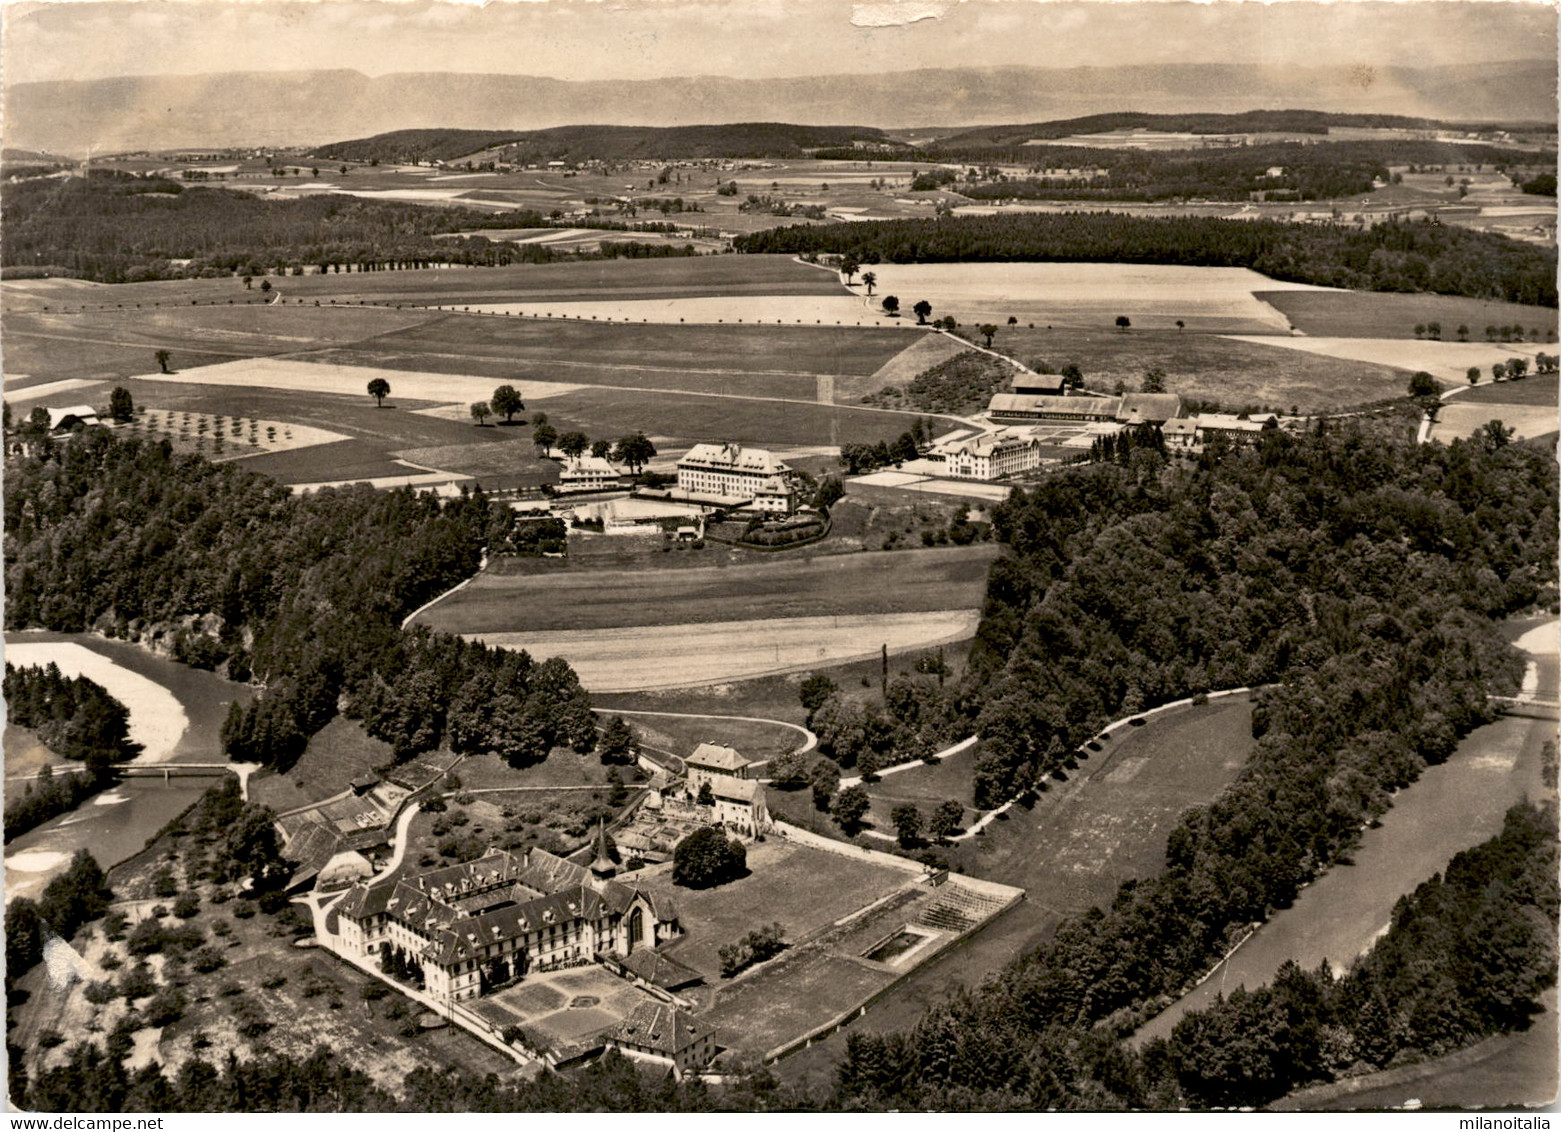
[1090, 294]
[672, 735]
[1377, 314]
[1107, 823]
[1460, 418]
[1236, 372]
[841, 310]
[334, 756]
[636, 659]
[1447, 361]
[594, 280]
[801, 888]
[562, 767]
[827, 586]
[1528, 391]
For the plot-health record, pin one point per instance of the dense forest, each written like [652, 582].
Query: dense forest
[119, 229]
[75, 718]
[604, 143]
[1352, 576]
[304, 593]
[1395, 256]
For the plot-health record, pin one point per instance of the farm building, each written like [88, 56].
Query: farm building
[474, 925]
[661, 1034]
[1232, 427]
[1149, 408]
[1036, 385]
[589, 473]
[66, 418]
[1017, 408]
[711, 761]
[1180, 433]
[751, 475]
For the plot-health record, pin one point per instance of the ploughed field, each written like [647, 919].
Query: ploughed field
[908, 581]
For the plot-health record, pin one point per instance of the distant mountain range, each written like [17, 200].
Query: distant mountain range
[315, 107]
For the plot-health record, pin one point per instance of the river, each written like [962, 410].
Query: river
[1452, 806]
[176, 712]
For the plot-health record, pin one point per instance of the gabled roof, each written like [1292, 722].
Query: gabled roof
[661, 970]
[717, 758]
[83, 412]
[733, 458]
[1082, 407]
[1152, 407]
[736, 789]
[660, 1027]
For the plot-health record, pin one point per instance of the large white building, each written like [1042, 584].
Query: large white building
[730, 471]
[993, 455]
[589, 473]
[472, 926]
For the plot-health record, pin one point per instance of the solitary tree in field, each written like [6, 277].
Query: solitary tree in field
[506, 400]
[850, 807]
[1463, 333]
[379, 389]
[907, 824]
[1012, 321]
[946, 820]
[1498, 372]
[636, 451]
[1123, 323]
[481, 412]
[1419, 330]
[922, 309]
[265, 286]
[572, 444]
[1434, 329]
[162, 360]
[249, 281]
[891, 305]
[1422, 385]
[120, 406]
[543, 435]
[848, 267]
[1490, 334]
[1180, 325]
[869, 278]
[1474, 375]
[987, 330]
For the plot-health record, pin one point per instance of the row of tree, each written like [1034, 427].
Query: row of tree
[1391, 256]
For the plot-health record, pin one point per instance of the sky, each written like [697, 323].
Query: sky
[638, 39]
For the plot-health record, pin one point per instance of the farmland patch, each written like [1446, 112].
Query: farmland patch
[635, 659]
[829, 586]
[1378, 314]
[1448, 361]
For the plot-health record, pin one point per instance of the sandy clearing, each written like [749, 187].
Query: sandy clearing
[680, 656]
[1542, 640]
[1149, 294]
[987, 492]
[157, 720]
[48, 389]
[36, 861]
[1458, 419]
[888, 479]
[319, 377]
[822, 310]
[1449, 361]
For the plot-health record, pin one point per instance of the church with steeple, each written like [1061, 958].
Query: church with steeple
[476, 926]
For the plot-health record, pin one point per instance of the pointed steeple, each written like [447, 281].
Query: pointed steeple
[602, 867]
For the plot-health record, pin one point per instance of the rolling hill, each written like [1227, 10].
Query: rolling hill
[309, 107]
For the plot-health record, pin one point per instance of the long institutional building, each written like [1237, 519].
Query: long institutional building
[504, 914]
[734, 474]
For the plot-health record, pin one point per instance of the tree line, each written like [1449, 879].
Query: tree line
[304, 594]
[124, 230]
[1351, 575]
[1411, 256]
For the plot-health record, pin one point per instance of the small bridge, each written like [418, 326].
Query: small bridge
[1532, 708]
[165, 771]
